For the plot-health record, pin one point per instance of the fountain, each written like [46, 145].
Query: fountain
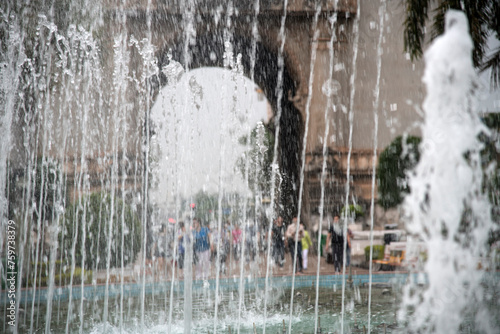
[448, 207]
[121, 119]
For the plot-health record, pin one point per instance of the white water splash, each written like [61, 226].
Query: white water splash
[447, 208]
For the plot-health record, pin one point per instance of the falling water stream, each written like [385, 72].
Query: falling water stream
[348, 173]
[304, 147]
[329, 107]
[381, 14]
[121, 65]
[81, 116]
[247, 162]
[189, 36]
[274, 164]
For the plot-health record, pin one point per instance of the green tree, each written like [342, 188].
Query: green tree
[353, 211]
[94, 212]
[48, 182]
[484, 21]
[491, 158]
[206, 205]
[259, 155]
[395, 161]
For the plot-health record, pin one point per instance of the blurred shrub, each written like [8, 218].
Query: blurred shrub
[378, 252]
[62, 274]
[105, 224]
[354, 210]
[401, 156]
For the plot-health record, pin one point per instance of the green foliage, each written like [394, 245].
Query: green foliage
[414, 33]
[259, 157]
[62, 274]
[14, 189]
[207, 205]
[46, 187]
[354, 211]
[483, 16]
[9, 270]
[97, 212]
[490, 156]
[378, 252]
[235, 203]
[394, 164]
[48, 182]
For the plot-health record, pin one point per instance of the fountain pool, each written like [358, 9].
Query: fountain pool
[386, 303]
[104, 125]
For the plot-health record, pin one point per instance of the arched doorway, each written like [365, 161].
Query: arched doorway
[277, 84]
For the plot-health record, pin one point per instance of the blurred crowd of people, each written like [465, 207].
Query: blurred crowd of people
[208, 243]
[215, 247]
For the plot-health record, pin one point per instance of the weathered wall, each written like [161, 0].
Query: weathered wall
[401, 87]
[401, 90]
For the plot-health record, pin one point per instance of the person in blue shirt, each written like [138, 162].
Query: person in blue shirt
[201, 238]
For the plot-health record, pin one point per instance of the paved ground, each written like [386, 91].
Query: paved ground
[258, 268]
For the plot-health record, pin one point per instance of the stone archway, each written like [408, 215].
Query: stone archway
[209, 28]
[209, 51]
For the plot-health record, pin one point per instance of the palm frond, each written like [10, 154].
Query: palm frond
[493, 62]
[414, 32]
